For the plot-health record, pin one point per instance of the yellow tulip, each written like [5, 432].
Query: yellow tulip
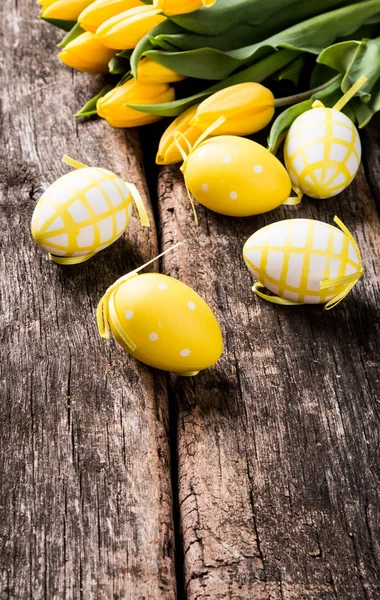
[180, 7]
[101, 10]
[149, 71]
[168, 152]
[64, 10]
[86, 53]
[126, 29]
[112, 106]
[247, 108]
[45, 3]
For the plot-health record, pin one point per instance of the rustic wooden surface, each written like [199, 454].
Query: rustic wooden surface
[265, 469]
[278, 444]
[86, 503]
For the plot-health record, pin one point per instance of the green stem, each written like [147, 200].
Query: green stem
[290, 100]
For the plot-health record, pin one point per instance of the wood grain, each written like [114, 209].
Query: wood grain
[278, 444]
[276, 448]
[85, 494]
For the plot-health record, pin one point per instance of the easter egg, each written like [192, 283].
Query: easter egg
[235, 176]
[322, 152]
[292, 258]
[81, 213]
[171, 326]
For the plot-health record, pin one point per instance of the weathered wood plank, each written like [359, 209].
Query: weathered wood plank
[85, 494]
[278, 444]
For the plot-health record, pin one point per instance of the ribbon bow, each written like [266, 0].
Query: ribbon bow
[106, 312]
[190, 149]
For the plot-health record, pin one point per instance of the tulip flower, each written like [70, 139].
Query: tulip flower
[149, 71]
[112, 106]
[63, 10]
[86, 53]
[180, 7]
[168, 152]
[101, 10]
[45, 3]
[247, 108]
[125, 30]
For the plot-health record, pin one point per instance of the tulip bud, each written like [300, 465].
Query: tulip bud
[86, 53]
[125, 30]
[112, 106]
[149, 71]
[63, 10]
[45, 3]
[247, 108]
[101, 10]
[168, 152]
[180, 7]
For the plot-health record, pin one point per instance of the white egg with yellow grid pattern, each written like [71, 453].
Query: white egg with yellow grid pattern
[81, 213]
[292, 258]
[322, 152]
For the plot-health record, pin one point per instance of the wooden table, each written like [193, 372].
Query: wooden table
[256, 480]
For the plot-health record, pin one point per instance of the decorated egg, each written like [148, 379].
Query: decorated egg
[162, 322]
[82, 213]
[302, 261]
[236, 176]
[322, 152]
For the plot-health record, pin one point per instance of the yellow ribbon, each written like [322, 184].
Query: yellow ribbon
[106, 312]
[70, 260]
[190, 149]
[346, 97]
[71, 162]
[294, 200]
[141, 210]
[347, 280]
[350, 93]
[273, 299]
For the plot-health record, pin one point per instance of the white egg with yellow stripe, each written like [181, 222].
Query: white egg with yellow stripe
[302, 261]
[322, 152]
[82, 213]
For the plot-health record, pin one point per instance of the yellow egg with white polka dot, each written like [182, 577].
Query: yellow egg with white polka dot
[170, 325]
[81, 213]
[303, 261]
[235, 176]
[322, 152]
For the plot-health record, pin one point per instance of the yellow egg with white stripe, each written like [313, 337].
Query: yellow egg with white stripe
[302, 261]
[82, 213]
[162, 322]
[322, 152]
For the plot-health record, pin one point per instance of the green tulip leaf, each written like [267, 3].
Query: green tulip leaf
[277, 14]
[365, 111]
[354, 59]
[145, 44]
[126, 77]
[320, 75]
[257, 72]
[310, 36]
[65, 25]
[75, 32]
[234, 38]
[293, 71]
[89, 109]
[125, 54]
[118, 65]
[328, 96]
[141, 48]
